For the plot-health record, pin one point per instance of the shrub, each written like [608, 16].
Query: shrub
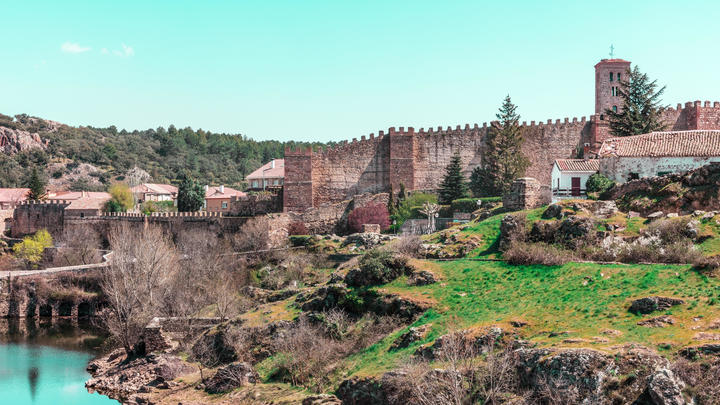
[371, 214]
[410, 245]
[297, 228]
[31, 249]
[669, 230]
[464, 205]
[377, 267]
[300, 240]
[707, 265]
[122, 195]
[598, 183]
[521, 253]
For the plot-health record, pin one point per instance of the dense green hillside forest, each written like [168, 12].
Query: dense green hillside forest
[165, 153]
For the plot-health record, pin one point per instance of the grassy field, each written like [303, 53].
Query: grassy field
[585, 303]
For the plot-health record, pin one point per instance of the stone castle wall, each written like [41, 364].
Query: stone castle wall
[30, 216]
[417, 159]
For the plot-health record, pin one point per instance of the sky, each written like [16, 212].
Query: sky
[315, 70]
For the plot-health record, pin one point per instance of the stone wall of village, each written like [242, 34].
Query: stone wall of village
[417, 159]
[30, 216]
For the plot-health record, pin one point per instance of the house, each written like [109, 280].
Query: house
[10, 197]
[658, 153]
[82, 203]
[154, 192]
[271, 174]
[570, 175]
[217, 199]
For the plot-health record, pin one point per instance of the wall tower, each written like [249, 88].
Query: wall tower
[608, 73]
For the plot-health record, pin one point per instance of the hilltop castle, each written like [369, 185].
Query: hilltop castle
[417, 158]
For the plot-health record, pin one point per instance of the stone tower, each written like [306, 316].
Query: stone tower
[608, 73]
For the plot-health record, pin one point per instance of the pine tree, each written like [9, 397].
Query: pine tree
[641, 109]
[191, 195]
[453, 185]
[37, 186]
[503, 160]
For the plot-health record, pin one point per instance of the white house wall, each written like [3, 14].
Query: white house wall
[565, 178]
[619, 168]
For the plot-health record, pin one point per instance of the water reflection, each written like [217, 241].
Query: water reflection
[32, 381]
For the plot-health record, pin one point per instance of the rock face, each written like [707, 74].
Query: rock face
[356, 391]
[511, 227]
[665, 389]
[322, 399]
[411, 336]
[658, 321]
[16, 140]
[647, 305]
[127, 380]
[421, 278]
[230, 377]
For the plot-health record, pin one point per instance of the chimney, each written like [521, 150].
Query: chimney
[207, 188]
[222, 189]
[272, 164]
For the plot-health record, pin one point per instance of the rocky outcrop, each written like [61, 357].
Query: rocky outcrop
[357, 391]
[233, 376]
[666, 389]
[17, 140]
[682, 193]
[322, 399]
[647, 305]
[412, 335]
[468, 341]
[128, 380]
[512, 228]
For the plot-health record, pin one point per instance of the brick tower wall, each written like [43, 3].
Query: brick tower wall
[31, 216]
[298, 189]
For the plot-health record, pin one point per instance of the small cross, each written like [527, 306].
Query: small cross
[612, 51]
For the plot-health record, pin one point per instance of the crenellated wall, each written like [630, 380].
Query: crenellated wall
[417, 159]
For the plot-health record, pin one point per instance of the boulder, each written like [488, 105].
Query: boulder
[322, 399]
[647, 305]
[658, 321]
[512, 227]
[213, 347]
[666, 389]
[323, 298]
[422, 277]
[693, 351]
[553, 211]
[412, 335]
[655, 215]
[604, 208]
[230, 377]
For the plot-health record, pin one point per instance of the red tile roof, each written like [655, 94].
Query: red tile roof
[12, 195]
[578, 165]
[87, 204]
[214, 192]
[155, 188]
[268, 172]
[75, 195]
[664, 144]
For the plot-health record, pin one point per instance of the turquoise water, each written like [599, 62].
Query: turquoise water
[47, 366]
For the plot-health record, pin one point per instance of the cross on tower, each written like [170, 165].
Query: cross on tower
[612, 51]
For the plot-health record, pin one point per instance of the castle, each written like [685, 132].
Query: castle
[417, 158]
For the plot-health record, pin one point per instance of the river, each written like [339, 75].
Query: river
[43, 362]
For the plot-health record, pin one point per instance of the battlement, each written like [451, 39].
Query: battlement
[46, 203]
[199, 214]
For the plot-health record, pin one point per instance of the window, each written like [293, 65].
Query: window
[633, 176]
[255, 183]
[663, 173]
[618, 76]
[224, 205]
[614, 108]
[611, 76]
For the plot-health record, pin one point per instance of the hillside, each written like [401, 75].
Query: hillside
[212, 158]
[392, 328]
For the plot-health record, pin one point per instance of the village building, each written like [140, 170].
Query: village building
[11, 197]
[154, 192]
[569, 176]
[658, 153]
[82, 203]
[271, 174]
[217, 199]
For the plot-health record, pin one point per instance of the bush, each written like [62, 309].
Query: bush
[377, 267]
[371, 214]
[464, 205]
[301, 240]
[669, 230]
[707, 265]
[410, 245]
[297, 228]
[521, 253]
[122, 195]
[31, 249]
[598, 183]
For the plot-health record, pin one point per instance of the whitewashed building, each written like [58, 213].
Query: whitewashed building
[570, 175]
[657, 153]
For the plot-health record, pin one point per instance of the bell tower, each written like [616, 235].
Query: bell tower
[608, 73]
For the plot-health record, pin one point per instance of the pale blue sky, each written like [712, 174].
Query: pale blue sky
[322, 70]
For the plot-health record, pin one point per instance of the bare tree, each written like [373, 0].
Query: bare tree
[135, 283]
[78, 244]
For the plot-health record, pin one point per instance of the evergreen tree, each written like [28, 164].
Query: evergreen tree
[641, 107]
[453, 185]
[503, 161]
[37, 186]
[191, 195]
[391, 206]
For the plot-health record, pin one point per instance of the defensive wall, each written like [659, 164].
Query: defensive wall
[417, 158]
